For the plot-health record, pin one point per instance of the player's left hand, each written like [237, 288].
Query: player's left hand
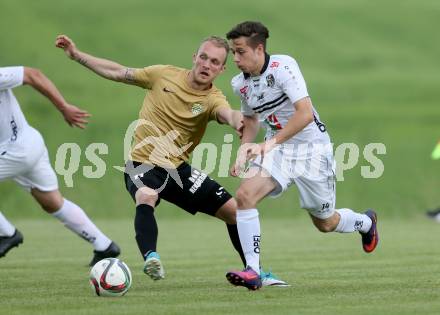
[75, 116]
[237, 123]
[65, 43]
[261, 149]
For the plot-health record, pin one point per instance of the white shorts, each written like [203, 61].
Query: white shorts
[27, 163]
[313, 173]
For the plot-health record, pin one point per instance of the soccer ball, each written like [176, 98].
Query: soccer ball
[110, 277]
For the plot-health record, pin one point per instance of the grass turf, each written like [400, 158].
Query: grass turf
[329, 273]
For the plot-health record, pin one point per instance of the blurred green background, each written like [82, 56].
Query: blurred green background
[372, 69]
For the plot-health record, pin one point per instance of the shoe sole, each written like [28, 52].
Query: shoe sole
[15, 245]
[371, 247]
[236, 280]
[278, 285]
[153, 268]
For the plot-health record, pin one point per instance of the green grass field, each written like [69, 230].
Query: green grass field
[372, 72]
[329, 274]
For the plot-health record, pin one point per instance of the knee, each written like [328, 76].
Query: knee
[228, 212]
[52, 205]
[50, 201]
[245, 198]
[146, 195]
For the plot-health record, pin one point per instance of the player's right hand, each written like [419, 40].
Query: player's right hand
[236, 169]
[240, 163]
[74, 116]
[65, 43]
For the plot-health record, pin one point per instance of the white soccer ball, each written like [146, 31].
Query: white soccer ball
[110, 277]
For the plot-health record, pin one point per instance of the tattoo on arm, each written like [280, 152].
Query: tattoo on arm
[82, 61]
[129, 75]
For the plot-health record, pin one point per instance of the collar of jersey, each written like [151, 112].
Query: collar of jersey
[266, 63]
[190, 89]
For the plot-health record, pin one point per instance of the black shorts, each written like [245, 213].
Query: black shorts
[186, 187]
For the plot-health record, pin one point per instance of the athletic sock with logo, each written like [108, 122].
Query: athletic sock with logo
[351, 221]
[248, 225]
[146, 229]
[76, 220]
[6, 228]
[235, 240]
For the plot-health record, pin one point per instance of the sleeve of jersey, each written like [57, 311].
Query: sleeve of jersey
[292, 81]
[245, 109]
[145, 77]
[11, 77]
[217, 101]
[241, 91]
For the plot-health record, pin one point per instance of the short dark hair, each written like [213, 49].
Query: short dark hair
[218, 42]
[256, 33]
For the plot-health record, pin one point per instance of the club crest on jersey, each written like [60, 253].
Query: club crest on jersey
[196, 109]
[273, 122]
[274, 64]
[270, 80]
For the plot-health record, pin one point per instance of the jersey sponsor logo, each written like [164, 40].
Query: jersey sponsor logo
[270, 80]
[274, 64]
[260, 97]
[165, 89]
[196, 109]
[197, 178]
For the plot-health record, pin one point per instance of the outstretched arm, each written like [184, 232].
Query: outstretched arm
[105, 68]
[74, 116]
[233, 118]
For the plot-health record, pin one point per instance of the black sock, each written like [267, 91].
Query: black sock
[146, 229]
[235, 239]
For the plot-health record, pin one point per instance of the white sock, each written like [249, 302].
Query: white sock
[6, 228]
[74, 218]
[351, 221]
[248, 225]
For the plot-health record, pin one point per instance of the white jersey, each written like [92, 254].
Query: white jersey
[272, 94]
[12, 121]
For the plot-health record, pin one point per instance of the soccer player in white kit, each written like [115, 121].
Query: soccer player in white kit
[24, 159]
[297, 149]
